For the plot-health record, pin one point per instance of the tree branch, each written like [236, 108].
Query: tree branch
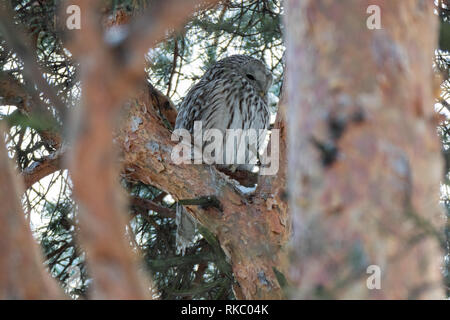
[251, 230]
[150, 205]
[42, 168]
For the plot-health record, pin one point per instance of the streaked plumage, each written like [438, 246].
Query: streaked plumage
[232, 94]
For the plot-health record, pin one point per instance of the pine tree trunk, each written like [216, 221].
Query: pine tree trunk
[364, 155]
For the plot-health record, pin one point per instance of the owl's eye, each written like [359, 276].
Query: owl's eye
[250, 76]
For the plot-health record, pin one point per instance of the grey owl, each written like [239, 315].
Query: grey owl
[232, 94]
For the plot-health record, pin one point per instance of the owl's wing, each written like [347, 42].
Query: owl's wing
[207, 102]
[224, 103]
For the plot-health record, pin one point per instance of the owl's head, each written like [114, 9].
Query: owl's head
[253, 70]
[258, 75]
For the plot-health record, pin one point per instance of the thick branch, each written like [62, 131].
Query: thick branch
[252, 231]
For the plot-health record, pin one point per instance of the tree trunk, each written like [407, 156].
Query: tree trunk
[364, 153]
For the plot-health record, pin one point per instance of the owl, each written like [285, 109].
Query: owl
[232, 94]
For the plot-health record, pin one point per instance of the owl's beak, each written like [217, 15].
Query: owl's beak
[262, 94]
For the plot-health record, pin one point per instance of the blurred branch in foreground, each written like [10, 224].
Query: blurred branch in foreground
[106, 83]
[22, 274]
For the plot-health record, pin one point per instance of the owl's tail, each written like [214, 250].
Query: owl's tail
[186, 229]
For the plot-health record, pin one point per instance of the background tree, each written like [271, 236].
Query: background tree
[365, 156]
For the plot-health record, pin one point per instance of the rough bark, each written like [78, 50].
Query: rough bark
[364, 156]
[42, 168]
[251, 230]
